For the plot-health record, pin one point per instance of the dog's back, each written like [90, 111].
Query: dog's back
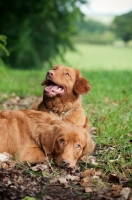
[13, 126]
[19, 131]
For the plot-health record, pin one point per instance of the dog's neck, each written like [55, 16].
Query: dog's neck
[61, 104]
[63, 115]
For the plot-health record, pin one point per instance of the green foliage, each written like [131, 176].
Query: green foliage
[37, 31]
[3, 50]
[3, 44]
[93, 32]
[122, 26]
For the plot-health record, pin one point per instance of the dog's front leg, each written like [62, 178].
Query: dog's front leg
[32, 154]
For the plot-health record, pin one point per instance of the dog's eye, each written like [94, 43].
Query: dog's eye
[78, 146]
[55, 68]
[67, 74]
[62, 141]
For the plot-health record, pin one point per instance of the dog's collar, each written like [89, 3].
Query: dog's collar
[64, 114]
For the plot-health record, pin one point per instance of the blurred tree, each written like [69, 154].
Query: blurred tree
[37, 31]
[93, 32]
[92, 26]
[122, 26]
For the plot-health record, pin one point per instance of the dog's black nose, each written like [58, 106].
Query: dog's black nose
[65, 163]
[51, 73]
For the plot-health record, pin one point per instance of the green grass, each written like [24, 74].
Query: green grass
[100, 57]
[22, 82]
[109, 108]
[108, 105]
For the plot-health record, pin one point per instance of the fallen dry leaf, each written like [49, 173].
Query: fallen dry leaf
[72, 178]
[54, 180]
[96, 177]
[45, 173]
[20, 179]
[4, 166]
[114, 178]
[92, 130]
[86, 182]
[88, 172]
[88, 189]
[90, 159]
[39, 167]
[98, 173]
[62, 180]
[116, 187]
[46, 197]
[125, 192]
[116, 190]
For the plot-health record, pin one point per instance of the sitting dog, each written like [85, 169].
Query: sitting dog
[33, 136]
[61, 95]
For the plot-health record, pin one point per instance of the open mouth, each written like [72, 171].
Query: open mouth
[54, 89]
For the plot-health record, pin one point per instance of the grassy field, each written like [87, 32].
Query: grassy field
[100, 57]
[108, 105]
[98, 63]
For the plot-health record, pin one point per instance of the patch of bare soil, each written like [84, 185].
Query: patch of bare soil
[48, 182]
[23, 180]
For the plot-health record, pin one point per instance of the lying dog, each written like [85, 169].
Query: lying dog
[32, 135]
[61, 95]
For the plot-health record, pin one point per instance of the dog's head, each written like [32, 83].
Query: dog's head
[65, 80]
[66, 143]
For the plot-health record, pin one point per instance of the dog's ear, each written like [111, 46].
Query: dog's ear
[81, 85]
[89, 147]
[48, 138]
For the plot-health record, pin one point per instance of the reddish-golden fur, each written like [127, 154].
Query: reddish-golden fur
[61, 95]
[28, 135]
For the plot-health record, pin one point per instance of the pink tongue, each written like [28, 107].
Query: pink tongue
[54, 89]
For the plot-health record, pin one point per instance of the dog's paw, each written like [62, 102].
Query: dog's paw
[4, 157]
